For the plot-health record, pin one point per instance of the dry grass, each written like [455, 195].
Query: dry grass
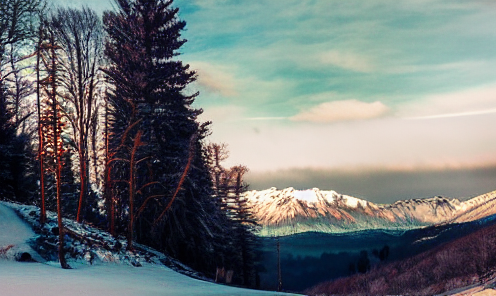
[456, 264]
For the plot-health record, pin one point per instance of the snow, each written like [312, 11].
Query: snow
[13, 235]
[353, 202]
[29, 279]
[13, 229]
[328, 195]
[289, 211]
[19, 278]
[308, 196]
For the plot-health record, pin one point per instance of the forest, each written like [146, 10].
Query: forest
[97, 125]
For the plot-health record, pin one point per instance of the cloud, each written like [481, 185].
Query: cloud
[472, 113]
[394, 143]
[347, 61]
[471, 102]
[216, 78]
[369, 184]
[464, 66]
[346, 110]
[221, 114]
[275, 59]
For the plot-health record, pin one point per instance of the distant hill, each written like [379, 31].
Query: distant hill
[290, 211]
[465, 266]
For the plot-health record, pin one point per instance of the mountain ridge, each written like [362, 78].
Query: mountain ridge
[290, 211]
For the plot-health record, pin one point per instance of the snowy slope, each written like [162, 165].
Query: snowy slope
[28, 279]
[108, 279]
[289, 211]
[13, 235]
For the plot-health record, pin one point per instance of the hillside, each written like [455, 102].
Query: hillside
[290, 211]
[464, 266]
[116, 276]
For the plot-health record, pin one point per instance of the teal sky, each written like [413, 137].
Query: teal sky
[345, 86]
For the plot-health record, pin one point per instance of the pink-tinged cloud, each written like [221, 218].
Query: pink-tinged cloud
[216, 79]
[471, 102]
[347, 110]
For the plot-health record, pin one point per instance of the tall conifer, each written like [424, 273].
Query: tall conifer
[148, 101]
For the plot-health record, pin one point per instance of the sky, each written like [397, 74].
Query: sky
[383, 100]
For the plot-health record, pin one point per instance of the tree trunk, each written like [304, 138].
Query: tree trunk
[58, 165]
[82, 174]
[137, 143]
[40, 132]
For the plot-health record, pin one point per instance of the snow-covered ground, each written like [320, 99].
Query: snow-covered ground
[30, 279]
[109, 279]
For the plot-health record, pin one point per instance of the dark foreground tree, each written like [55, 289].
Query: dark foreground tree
[17, 21]
[167, 170]
[7, 135]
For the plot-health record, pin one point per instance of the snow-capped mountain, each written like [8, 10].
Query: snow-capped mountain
[290, 211]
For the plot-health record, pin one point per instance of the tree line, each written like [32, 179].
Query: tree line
[96, 124]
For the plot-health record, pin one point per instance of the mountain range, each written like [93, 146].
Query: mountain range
[290, 211]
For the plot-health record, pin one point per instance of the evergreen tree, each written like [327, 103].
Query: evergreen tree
[244, 227]
[241, 241]
[167, 170]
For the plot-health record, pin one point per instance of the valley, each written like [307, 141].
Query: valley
[323, 235]
[313, 257]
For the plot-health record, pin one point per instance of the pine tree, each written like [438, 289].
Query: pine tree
[168, 173]
[240, 238]
[244, 226]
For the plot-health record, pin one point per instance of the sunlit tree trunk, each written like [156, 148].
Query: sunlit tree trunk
[40, 128]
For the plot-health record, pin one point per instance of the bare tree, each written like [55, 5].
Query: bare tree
[18, 22]
[18, 19]
[40, 125]
[80, 35]
[52, 124]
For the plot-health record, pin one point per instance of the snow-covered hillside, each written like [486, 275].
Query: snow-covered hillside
[289, 211]
[99, 278]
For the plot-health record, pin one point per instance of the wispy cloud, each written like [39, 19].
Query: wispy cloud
[216, 78]
[265, 118]
[470, 102]
[347, 61]
[222, 114]
[346, 110]
[466, 66]
[462, 114]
